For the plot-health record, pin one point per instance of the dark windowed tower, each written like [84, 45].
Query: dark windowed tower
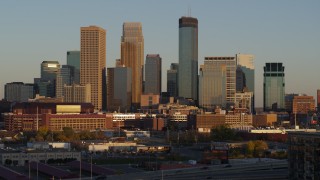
[188, 58]
[273, 87]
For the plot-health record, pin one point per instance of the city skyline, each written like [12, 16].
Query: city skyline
[271, 31]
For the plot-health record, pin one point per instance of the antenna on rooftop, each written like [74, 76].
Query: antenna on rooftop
[189, 11]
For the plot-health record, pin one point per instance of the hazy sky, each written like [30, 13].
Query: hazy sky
[285, 31]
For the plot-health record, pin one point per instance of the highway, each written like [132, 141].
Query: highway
[261, 170]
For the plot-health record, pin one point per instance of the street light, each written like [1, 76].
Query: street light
[91, 166]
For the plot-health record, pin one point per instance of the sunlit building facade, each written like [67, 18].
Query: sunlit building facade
[217, 82]
[246, 63]
[132, 55]
[93, 63]
[77, 93]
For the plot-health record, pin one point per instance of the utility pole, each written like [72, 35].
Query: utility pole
[29, 171]
[91, 166]
[80, 166]
[37, 119]
[37, 171]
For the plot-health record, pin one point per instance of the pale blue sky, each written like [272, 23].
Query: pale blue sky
[285, 31]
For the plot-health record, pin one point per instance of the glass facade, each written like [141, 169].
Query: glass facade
[246, 63]
[64, 77]
[172, 80]
[273, 87]
[18, 92]
[188, 58]
[119, 93]
[217, 82]
[73, 59]
[49, 72]
[153, 74]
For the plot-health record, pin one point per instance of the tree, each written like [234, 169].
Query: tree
[250, 148]
[51, 161]
[85, 135]
[41, 134]
[222, 133]
[260, 147]
[15, 162]
[61, 137]
[68, 132]
[8, 162]
[256, 148]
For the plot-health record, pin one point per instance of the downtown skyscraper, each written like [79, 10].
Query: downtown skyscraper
[172, 80]
[245, 63]
[188, 58]
[93, 63]
[273, 87]
[46, 85]
[73, 59]
[217, 82]
[153, 74]
[132, 55]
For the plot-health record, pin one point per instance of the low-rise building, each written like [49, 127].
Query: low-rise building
[264, 120]
[205, 122]
[239, 119]
[56, 122]
[138, 121]
[150, 101]
[179, 119]
[303, 104]
[304, 155]
[19, 158]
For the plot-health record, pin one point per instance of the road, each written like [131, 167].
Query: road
[261, 170]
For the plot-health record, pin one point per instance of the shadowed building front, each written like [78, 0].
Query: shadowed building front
[153, 74]
[188, 58]
[273, 87]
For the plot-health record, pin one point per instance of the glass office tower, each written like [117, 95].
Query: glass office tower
[217, 82]
[188, 58]
[246, 63]
[273, 87]
[73, 59]
[172, 80]
[153, 74]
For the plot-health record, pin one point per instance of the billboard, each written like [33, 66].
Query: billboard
[68, 109]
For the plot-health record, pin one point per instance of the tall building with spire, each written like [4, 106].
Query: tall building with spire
[93, 63]
[188, 58]
[132, 55]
